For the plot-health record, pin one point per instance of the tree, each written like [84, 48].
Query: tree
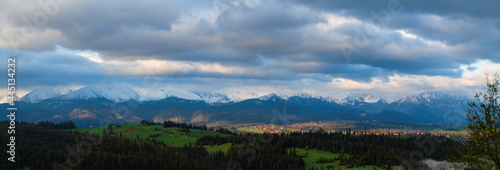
[110, 129]
[484, 128]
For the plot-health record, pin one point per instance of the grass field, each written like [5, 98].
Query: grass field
[224, 147]
[171, 136]
[314, 155]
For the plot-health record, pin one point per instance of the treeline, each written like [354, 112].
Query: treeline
[51, 125]
[363, 149]
[185, 126]
[42, 148]
[47, 124]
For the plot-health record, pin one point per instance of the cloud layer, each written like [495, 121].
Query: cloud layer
[383, 47]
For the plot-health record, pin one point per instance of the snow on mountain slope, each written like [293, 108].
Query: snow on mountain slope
[354, 98]
[40, 94]
[274, 95]
[113, 93]
[210, 97]
[183, 94]
[158, 94]
[432, 97]
[301, 95]
[123, 93]
[236, 95]
[433, 100]
[5, 99]
[308, 96]
[151, 94]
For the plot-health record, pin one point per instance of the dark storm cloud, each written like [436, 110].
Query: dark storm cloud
[473, 23]
[362, 9]
[280, 40]
[50, 68]
[266, 18]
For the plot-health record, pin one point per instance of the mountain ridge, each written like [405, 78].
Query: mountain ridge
[141, 95]
[89, 105]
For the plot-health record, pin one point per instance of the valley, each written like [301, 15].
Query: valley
[182, 136]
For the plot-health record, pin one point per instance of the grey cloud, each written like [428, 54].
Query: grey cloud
[50, 68]
[274, 37]
[362, 9]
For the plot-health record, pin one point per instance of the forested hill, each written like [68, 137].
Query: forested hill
[41, 148]
[46, 146]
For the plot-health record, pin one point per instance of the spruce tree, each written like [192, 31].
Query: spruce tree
[484, 128]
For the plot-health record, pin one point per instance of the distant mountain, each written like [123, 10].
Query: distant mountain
[93, 104]
[309, 96]
[159, 94]
[370, 103]
[112, 93]
[5, 99]
[209, 97]
[432, 98]
[40, 94]
[394, 116]
[358, 98]
[274, 96]
[151, 94]
[433, 106]
[296, 96]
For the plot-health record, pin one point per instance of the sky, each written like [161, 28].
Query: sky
[321, 47]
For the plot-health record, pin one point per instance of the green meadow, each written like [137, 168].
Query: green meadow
[224, 147]
[311, 157]
[172, 136]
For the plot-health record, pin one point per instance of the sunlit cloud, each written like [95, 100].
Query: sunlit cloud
[261, 46]
[166, 67]
[91, 55]
[405, 34]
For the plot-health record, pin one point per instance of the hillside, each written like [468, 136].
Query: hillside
[171, 136]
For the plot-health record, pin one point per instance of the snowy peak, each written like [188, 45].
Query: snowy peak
[309, 96]
[113, 93]
[183, 95]
[123, 93]
[5, 99]
[298, 96]
[432, 97]
[151, 94]
[274, 96]
[159, 94]
[209, 97]
[354, 98]
[40, 94]
[428, 96]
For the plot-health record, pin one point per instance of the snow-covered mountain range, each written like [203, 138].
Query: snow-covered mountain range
[40, 94]
[355, 98]
[432, 97]
[121, 94]
[124, 93]
[210, 97]
[113, 93]
[162, 104]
